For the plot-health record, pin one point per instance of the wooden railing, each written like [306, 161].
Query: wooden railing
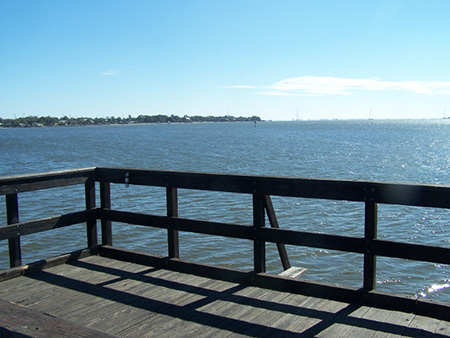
[260, 187]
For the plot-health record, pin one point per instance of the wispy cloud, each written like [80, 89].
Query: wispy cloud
[110, 73]
[322, 85]
[240, 87]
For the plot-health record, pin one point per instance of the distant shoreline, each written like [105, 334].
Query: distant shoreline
[47, 121]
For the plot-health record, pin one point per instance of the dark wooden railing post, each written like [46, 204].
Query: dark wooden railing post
[91, 225]
[172, 211]
[259, 247]
[370, 233]
[105, 203]
[12, 215]
[274, 224]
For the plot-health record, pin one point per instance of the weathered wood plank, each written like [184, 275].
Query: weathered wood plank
[181, 224]
[344, 323]
[369, 323]
[370, 233]
[308, 239]
[300, 309]
[183, 314]
[265, 321]
[324, 241]
[259, 246]
[319, 315]
[46, 263]
[205, 270]
[426, 253]
[111, 293]
[105, 203]
[299, 286]
[18, 321]
[293, 272]
[91, 224]
[332, 242]
[377, 192]
[273, 221]
[237, 313]
[22, 183]
[12, 216]
[134, 300]
[394, 325]
[161, 323]
[421, 326]
[173, 244]
[44, 224]
[443, 328]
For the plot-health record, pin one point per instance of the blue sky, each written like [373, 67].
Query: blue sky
[322, 59]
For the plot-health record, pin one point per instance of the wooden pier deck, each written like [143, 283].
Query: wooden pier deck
[98, 296]
[105, 291]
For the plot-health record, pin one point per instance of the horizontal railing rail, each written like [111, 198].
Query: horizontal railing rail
[358, 191]
[23, 183]
[371, 194]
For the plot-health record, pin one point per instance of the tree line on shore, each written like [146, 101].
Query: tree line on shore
[48, 121]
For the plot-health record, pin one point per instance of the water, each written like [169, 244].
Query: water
[395, 151]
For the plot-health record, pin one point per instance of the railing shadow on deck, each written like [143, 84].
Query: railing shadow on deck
[260, 188]
[191, 313]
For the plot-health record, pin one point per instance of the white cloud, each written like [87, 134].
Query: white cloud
[275, 93]
[240, 87]
[110, 73]
[323, 85]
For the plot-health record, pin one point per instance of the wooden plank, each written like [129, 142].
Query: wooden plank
[388, 193]
[236, 313]
[443, 328]
[259, 246]
[146, 302]
[421, 326]
[368, 324]
[172, 211]
[268, 205]
[115, 294]
[377, 247]
[314, 240]
[404, 194]
[183, 314]
[318, 316]
[91, 224]
[289, 313]
[205, 270]
[50, 223]
[293, 272]
[394, 325]
[419, 252]
[370, 233]
[24, 291]
[264, 317]
[30, 182]
[105, 203]
[314, 289]
[297, 286]
[45, 264]
[180, 224]
[93, 303]
[324, 241]
[344, 323]
[12, 216]
[152, 296]
[18, 321]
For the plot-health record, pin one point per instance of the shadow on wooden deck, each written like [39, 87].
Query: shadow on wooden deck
[204, 306]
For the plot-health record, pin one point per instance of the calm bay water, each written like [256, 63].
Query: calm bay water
[395, 151]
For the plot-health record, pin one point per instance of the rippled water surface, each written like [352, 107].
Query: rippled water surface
[395, 151]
